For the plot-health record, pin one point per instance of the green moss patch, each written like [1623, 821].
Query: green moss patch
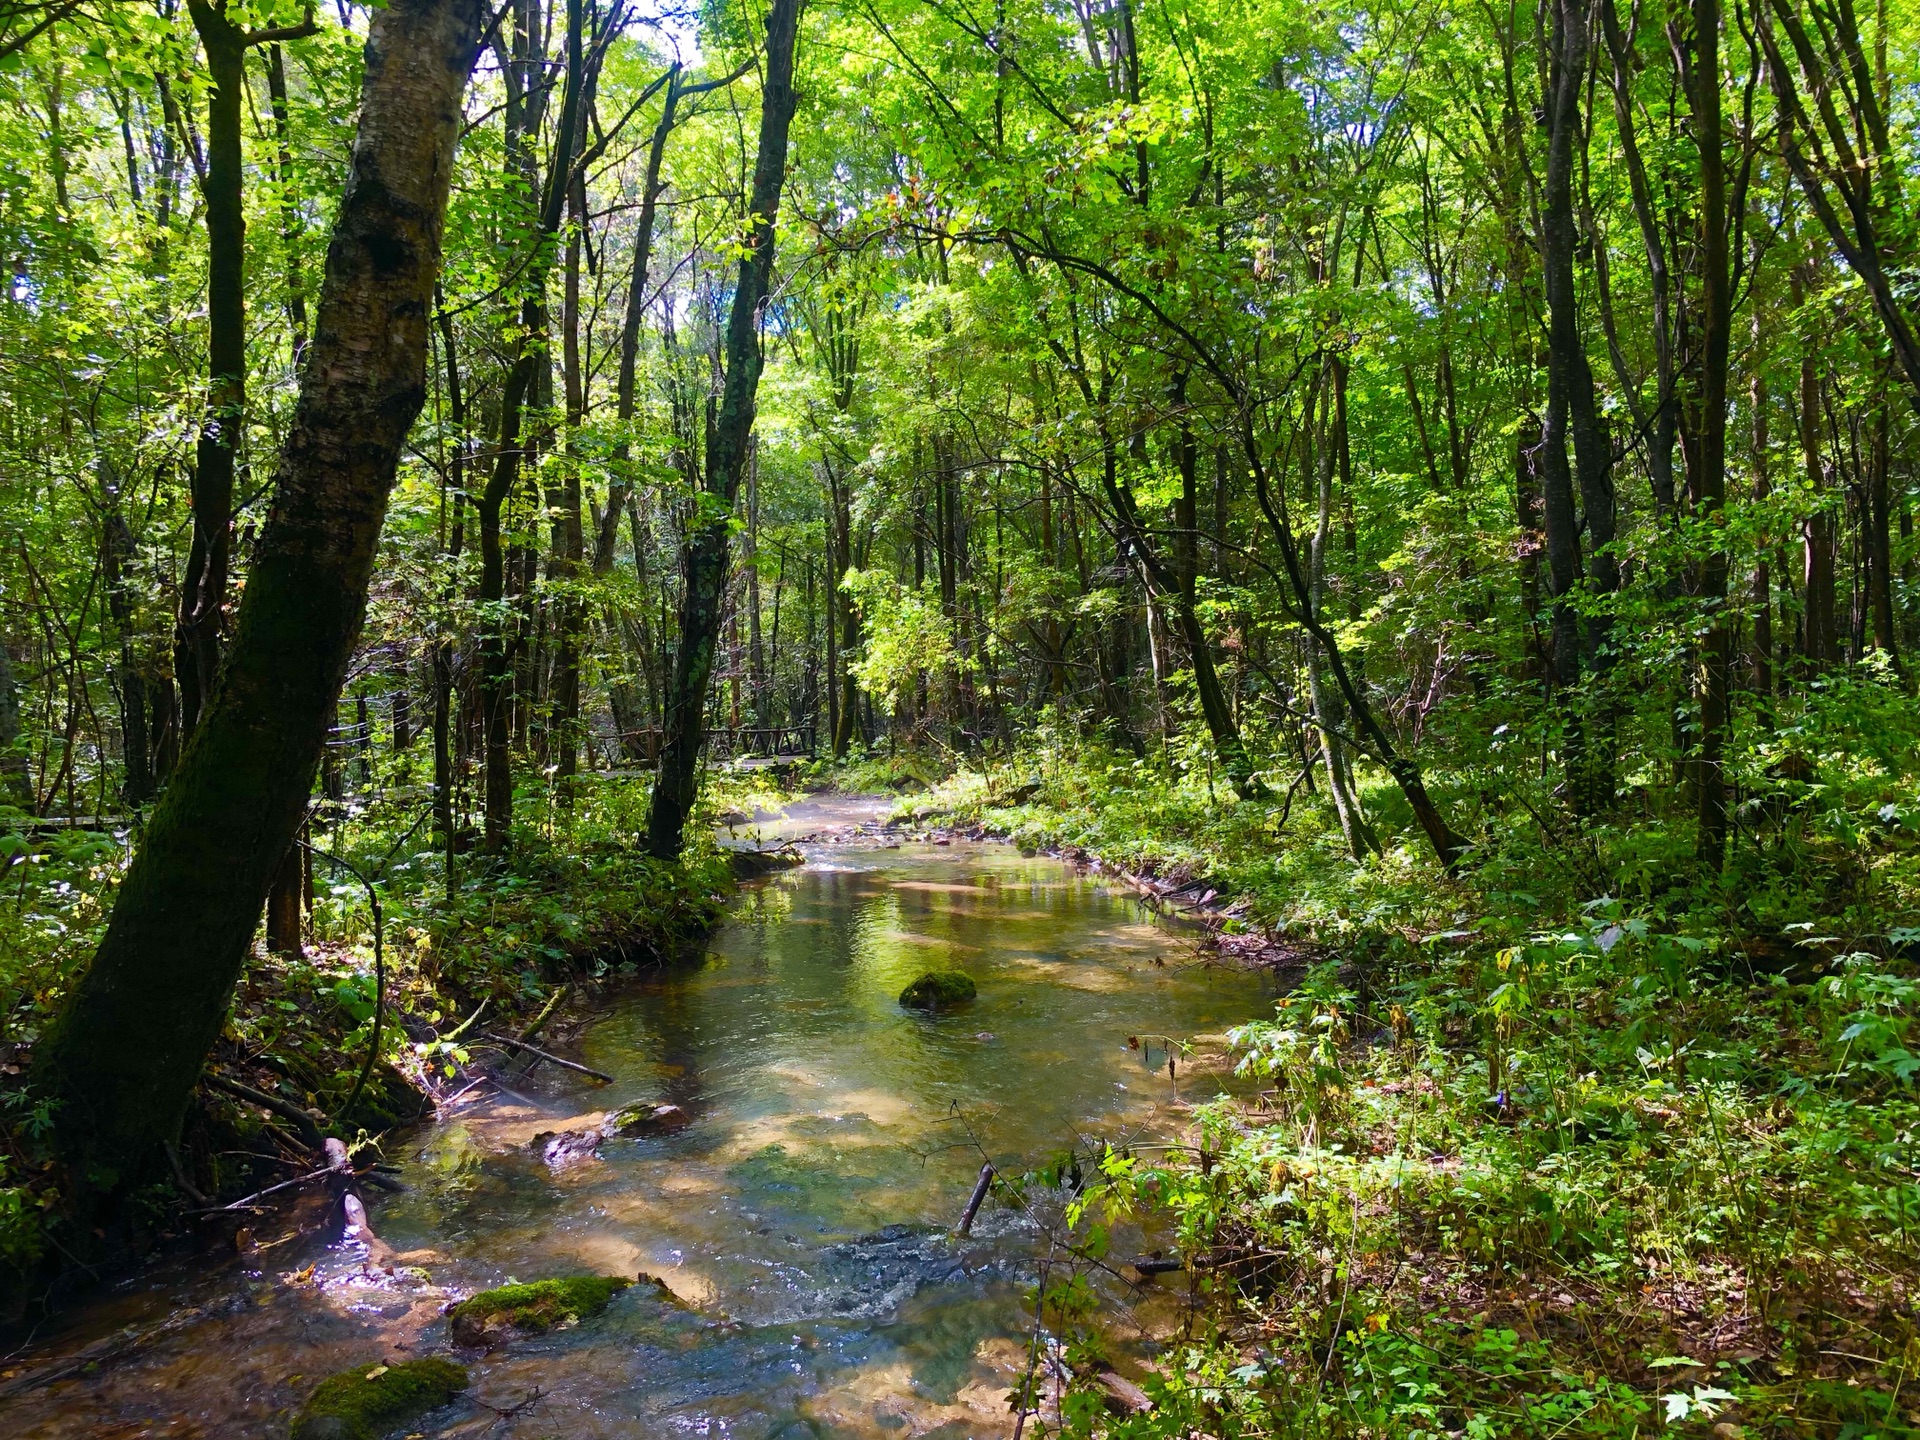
[372, 1400]
[937, 989]
[533, 1308]
[649, 1117]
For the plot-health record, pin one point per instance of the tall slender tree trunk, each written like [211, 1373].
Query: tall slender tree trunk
[1819, 625]
[117, 555]
[522, 386]
[1569, 380]
[843, 643]
[1215, 705]
[1707, 479]
[203, 590]
[121, 1059]
[626, 385]
[1330, 715]
[1877, 522]
[16, 773]
[290, 226]
[728, 437]
[1760, 600]
[762, 696]
[444, 756]
[570, 536]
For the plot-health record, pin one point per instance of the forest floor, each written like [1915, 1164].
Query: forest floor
[1530, 1159]
[515, 951]
[1527, 1158]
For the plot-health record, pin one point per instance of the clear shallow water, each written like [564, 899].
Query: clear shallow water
[799, 1221]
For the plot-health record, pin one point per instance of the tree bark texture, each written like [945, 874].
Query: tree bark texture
[123, 1056]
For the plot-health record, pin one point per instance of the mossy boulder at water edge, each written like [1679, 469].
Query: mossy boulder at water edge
[649, 1117]
[373, 1400]
[938, 989]
[533, 1308]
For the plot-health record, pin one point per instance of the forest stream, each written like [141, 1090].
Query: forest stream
[800, 1224]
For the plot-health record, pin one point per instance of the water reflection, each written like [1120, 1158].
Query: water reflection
[798, 1223]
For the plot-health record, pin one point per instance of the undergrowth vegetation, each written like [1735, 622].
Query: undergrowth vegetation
[573, 901]
[1582, 1142]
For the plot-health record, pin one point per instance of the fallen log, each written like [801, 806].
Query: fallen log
[1121, 1394]
[101, 1352]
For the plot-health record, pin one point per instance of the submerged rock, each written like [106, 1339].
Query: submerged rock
[937, 989]
[662, 1291]
[533, 1308]
[564, 1148]
[873, 1276]
[373, 1400]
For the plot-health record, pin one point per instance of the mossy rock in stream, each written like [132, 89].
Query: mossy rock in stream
[370, 1401]
[752, 864]
[533, 1308]
[649, 1117]
[937, 989]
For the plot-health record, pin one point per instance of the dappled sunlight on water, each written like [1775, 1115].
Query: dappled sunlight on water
[799, 1223]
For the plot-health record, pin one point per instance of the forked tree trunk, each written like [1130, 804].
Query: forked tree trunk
[122, 1058]
[727, 437]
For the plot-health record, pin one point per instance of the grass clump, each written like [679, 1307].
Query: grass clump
[937, 989]
[532, 1308]
[1582, 1141]
[370, 1401]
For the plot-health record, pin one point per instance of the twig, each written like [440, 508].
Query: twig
[180, 1176]
[554, 1002]
[440, 1106]
[309, 1130]
[508, 1412]
[980, 1188]
[246, 1201]
[513, 1044]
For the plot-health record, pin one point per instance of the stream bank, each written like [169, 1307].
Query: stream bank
[417, 1004]
[799, 1223]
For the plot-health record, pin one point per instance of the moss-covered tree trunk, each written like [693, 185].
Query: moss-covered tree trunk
[122, 1059]
[727, 437]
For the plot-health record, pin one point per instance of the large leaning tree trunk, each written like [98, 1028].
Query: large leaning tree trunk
[729, 431]
[122, 1059]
